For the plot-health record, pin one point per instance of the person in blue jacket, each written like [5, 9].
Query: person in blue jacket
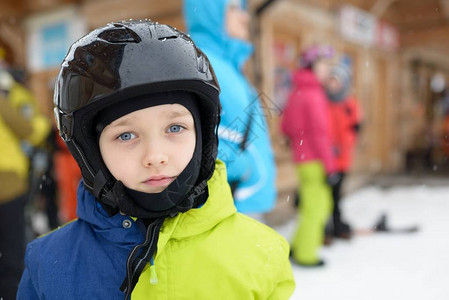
[137, 104]
[221, 29]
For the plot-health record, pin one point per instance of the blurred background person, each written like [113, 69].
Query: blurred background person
[49, 185]
[20, 126]
[68, 175]
[305, 121]
[221, 29]
[345, 125]
[42, 209]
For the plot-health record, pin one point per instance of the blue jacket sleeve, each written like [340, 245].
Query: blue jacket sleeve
[234, 120]
[26, 288]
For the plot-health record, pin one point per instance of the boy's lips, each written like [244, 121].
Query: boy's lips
[159, 180]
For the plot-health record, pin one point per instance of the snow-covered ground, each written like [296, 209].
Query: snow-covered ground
[385, 266]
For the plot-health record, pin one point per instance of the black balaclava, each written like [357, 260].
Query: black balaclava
[175, 198]
[153, 208]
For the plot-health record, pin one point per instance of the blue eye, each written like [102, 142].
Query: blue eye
[126, 136]
[175, 128]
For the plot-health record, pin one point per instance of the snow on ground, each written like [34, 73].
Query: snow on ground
[385, 266]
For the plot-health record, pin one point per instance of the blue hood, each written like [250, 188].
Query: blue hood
[205, 22]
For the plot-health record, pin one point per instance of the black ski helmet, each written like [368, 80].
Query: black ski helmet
[121, 61]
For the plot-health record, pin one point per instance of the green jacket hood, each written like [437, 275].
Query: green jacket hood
[197, 221]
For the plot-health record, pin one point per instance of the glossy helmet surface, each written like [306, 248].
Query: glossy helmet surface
[121, 61]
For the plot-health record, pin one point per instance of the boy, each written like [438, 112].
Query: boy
[137, 104]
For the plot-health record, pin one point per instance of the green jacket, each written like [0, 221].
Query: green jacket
[216, 253]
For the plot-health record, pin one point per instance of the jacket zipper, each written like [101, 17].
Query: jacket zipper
[130, 272]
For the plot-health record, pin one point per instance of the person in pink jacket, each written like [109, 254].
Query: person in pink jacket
[306, 123]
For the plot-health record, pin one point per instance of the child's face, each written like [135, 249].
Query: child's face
[333, 85]
[148, 148]
[237, 22]
[322, 68]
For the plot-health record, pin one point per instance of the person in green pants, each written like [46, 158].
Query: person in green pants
[315, 208]
[305, 122]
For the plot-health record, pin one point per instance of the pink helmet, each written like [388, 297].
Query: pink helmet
[315, 52]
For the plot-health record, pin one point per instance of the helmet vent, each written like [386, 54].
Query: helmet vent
[119, 35]
[201, 62]
[172, 37]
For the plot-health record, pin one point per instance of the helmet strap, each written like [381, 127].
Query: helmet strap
[99, 187]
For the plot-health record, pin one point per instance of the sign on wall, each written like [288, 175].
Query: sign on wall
[54, 47]
[361, 27]
[387, 36]
[49, 36]
[357, 25]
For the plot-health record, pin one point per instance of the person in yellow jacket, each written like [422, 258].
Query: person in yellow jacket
[20, 123]
[137, 104]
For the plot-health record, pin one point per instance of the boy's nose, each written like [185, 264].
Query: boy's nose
[154, 157]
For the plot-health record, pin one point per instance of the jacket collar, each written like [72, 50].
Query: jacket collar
[218, 206]
[109, 228]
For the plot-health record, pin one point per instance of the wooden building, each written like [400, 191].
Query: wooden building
[397, 47]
